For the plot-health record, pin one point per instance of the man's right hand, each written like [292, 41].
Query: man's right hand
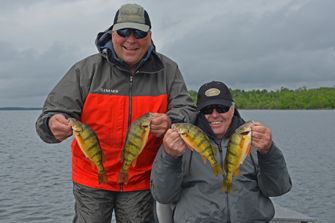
[59, 127]
[174, 145]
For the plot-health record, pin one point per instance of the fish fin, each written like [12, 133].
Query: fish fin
[102, 177]
[213, 149]
[225, 165]
[204, 158]
[249, 149]
[217, 169]
[134, 162]
[227, 185]
[92, 164]
[242, 142]
[237, 171]
[146, 129]
[121, 156]
[123, 177]
[191, 148]
[81, 140]
[103, 157]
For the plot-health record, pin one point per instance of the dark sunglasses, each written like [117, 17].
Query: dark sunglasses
[139, 34]
[219, 108]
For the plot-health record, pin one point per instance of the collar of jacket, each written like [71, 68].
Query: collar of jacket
[203, 124]
[150, 62]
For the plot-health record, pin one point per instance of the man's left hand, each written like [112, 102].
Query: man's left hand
[261, 138]
[160, 124]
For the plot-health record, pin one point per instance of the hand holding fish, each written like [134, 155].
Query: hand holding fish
[160, 124]
[174, 145]
[59, 127]
[261, 138]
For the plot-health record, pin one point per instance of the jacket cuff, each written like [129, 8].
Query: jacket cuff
[175, 120]
[171, 161]
[273, 150]
[47, 129]
[46, 124]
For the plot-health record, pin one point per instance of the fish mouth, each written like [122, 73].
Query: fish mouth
[245, 133]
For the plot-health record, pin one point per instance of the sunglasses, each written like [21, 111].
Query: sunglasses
[139, 34]
[219, 108]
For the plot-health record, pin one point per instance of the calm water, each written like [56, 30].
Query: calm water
[36, 185]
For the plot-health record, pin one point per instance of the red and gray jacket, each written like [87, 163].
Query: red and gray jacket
[102, 92]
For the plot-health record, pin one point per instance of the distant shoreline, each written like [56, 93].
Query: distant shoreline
[18, 108]
[25, 109]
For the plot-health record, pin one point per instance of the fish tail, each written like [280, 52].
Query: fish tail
[227, 185]
[102, 176]
[123, 177]
[217, 169]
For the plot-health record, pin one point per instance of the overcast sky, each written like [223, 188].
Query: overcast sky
[258, 44]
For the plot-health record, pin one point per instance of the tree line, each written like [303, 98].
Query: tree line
[301, 98]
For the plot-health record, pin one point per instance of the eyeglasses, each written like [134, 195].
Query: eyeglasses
[139, 34]
[219, 108]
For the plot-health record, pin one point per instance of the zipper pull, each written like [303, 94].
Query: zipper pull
[220, 149]
[131, 78]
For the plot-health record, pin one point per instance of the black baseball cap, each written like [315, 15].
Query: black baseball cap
[214, 93]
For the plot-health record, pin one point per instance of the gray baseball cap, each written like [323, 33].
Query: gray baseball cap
[132, 16]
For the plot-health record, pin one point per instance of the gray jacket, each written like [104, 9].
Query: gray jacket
[190, 185]
[104, 74]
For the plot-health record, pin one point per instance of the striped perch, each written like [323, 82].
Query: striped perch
[198, 140]
[89, 143]
[238, 148]
[136, 139]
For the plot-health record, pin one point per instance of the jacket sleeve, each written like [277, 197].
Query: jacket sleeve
[273, 177]
[66, 98]
[166, 177]
[181, 106]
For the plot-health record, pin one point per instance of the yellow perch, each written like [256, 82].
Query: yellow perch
[89, 143]
[198, 140]
[239, 146]
[136, 139]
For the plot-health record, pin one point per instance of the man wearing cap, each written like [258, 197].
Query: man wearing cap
[181, 178]
[108, 91]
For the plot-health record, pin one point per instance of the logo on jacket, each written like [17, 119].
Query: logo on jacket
[108, 90]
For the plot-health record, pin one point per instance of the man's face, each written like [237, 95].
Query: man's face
[131, 50]
[220, 122]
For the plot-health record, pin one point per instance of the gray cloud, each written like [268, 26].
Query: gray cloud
[31, 74]
[248, 45]
[290, 47]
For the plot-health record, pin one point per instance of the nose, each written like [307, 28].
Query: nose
[131, 38]
[215, 113]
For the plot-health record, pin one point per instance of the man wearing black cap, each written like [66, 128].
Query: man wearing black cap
[179, 176]
[108, 91]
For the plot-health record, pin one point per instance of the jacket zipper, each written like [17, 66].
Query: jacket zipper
[221, 163]
[129, 117]
[130, 90]
[228, 211]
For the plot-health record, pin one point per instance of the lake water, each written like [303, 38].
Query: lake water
[36, 184]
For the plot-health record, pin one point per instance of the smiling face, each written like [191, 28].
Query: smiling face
[131, 50]
[220, 122]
